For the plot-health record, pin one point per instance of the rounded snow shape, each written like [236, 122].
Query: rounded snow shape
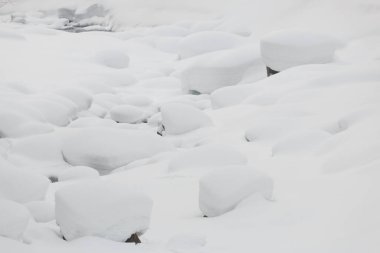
[113, 59]
[81, 98]
[21, 186]
[222, 190]
[78, 172]
[54, 112]
[92, 122]
[137, 100]
[127, 114]
[14, 219]
[96, 208]
[179, 118]
[218, 69]
[32, 128]
[10, 121]
[105, 149]
[42, 211]
[208, 41]
[207, 156]
[288, 48]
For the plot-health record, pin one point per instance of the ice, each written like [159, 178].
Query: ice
[20, 185]
[78, 172]
[105, 149]
[206, 157]
[204, 42]
[288, 48]
[179, 118]
[128, 114]
[41, 211]
[221, 190]
[215, 70]
[14, 219]
[102, 209]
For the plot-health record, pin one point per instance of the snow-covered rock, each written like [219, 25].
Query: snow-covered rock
[222, 190]
[206, 156]
[14, 219]
[207, 41]
[21, 186]
[41, 211]
[78, 172]
[80, 97]
[288, 48]
[128, 114]
[113, 58]
[103, 209]
[105, 149]
[218, 69]
[179, 118]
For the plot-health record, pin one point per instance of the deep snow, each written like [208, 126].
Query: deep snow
[306, 139]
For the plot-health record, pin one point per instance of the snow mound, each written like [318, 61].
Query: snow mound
[14, 219]
[218, 69]
[113, 59]
[208, 41]
[206, 156]
[81, 98]
[11, 123]
[92, 122]
[21, 186]
[97, 208]
[105, 149]
[288, 48]
[128, 114]
[222, 190]
[137, 100]
[179, 118]
[78, 172]
[42, 211]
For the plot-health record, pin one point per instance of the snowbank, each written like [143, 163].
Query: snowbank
[101, 209]
[105, 149]
[14, 219]
[179, 118]
[284, 49]
[221, 190]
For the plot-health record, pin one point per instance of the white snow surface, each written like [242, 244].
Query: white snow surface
[106, 210]
[14, 219]
[312, 129]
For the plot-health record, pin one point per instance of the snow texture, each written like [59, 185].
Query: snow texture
[14, 219]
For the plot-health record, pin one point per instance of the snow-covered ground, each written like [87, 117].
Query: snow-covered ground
[157, 119]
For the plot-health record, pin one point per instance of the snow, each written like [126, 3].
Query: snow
[179, 118]
[206, 157]
[101, 209]
[14, 219]
[105, 149]
[215, 70]
[21, 185]
[41, 211]
[205, 42]
[78, 172]
[312, 129]
[284, 49]
[127, 114]
[222, 190]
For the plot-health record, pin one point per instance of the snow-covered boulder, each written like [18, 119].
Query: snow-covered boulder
[179, 118]
[41, 211]
[207, 41]
[105, 149]
[78, 172]
[112, 58]
[128, 114]
[222, 190]
[103, 209]
[206, 156]
[80, 97]
[14, 219]
[288, 48]
[21, 186]
[218, 69]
